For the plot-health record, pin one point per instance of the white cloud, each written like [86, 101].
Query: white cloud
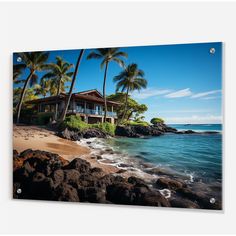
[180, 93]
[149, 92]
[208, 119]
[204, 94]
[210, 98]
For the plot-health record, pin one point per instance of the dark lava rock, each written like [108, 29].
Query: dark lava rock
[15, 154]
[38, 187]
[76, 135]
[140, 131]
[70, 134]
[136, 181]
[210, 132]
[79, 164]
[57, 177]
[126, 131]
[186, 132]
[170, 183]
[202, 199]
[120, 193]
[152, 198]
[71, 176]
[183, 203]
[94, 133]
[97, 172]
[92, 194]
[99, 157]
[47, 176]
[65, 192]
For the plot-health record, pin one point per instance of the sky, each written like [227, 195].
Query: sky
[184, 80]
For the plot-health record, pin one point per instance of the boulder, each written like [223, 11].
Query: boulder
[79, 164]
[70, 134]
[170, 183]
[57, 177]
[126, 131]
[38, 187]
[136, 131]
[94, 133]
[183, 203]
[71, 176]
[92, 194]
[120, 193]
[152, 198]
[65, 192]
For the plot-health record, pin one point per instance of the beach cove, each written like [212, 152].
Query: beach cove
[171, 187]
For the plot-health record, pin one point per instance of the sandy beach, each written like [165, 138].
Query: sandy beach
[40, 138]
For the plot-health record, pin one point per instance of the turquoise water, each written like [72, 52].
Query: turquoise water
[198, 155]
[199, 128]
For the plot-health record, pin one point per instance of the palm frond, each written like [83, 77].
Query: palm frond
[119, 61]
[34, 80]
[94, 55]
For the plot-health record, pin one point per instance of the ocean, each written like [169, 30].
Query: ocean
[197, 156]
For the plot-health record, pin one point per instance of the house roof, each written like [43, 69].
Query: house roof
[87, 92]
[90, 95]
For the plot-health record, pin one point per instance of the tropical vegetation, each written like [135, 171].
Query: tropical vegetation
[107, 55]
[134, 109]
[157, 120]
[129, 80]
[72, 85]
[60, 76]
[59, 73]
[74, 122]
[33, 61]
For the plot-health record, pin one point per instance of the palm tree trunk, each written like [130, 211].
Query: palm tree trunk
[126, 103]
[22, 96]
[57, 100]
[104, 92]
[72, 85]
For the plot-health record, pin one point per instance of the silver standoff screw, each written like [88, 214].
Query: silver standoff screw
[212, 200]
[212, 50]
[19, 191]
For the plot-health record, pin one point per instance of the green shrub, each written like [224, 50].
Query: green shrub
[141, 123]
[44, 118]
[75, 122]
[105, 127]
[157, 120]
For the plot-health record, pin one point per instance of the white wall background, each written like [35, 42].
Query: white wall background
[40, 26]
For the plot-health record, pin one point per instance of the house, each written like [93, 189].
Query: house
[89, 105]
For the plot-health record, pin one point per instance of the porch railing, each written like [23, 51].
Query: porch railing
[92, 112]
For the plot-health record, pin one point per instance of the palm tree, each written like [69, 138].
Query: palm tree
[17, 72]
[130, 79]
[58, 75]
[43, 88]
[72, 85]
[34, 61]
[107, 55]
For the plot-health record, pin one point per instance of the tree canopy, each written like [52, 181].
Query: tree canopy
[156, 120]
[134, 108]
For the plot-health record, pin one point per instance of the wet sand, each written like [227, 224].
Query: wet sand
[39, 138]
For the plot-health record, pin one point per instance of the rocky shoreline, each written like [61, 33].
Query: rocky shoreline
[131, 131]
[137, 131]
[46, 176]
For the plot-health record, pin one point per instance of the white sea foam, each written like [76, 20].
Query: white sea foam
[115, 158]
[165, 192]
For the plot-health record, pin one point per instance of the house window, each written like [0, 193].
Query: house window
[46, 108]
[53, 108]
[79, 107]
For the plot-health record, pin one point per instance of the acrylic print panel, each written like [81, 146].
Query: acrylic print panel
[130, 125]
